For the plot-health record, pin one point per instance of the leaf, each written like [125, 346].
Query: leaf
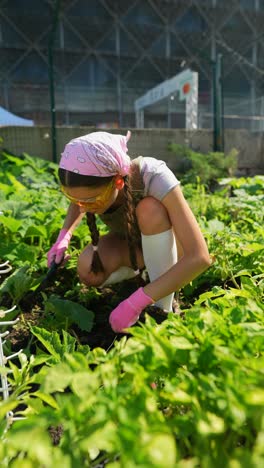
[20, 253]
[17, 284]
[36, 231]
[242, 273]
[215, 226]
[77, 360]
[51, 341]
[68, 342]
[23, 463]
[15, 183]
[252, 247]
[11, 224]
[6, 406]
[252, 327]
[47, 399]
[38, 360]
[177, 396]
[14, 159]
[77, 313]
[180, 342]
[29, 436]
[255, 397]
[101, 438]
[211, 424]
[162, 450]
[85, 384]
[215, 292]
[57, 379]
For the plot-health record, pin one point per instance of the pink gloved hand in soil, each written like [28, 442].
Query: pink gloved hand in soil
[56, 253]
[129, 310]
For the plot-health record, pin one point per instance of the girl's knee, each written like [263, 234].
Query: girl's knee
[92, 279]
[84, 269]
[152, 216]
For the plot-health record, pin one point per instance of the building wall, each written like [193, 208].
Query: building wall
[36, 141]
[107, 53]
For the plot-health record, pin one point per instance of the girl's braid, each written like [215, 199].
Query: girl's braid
[131, 223]
[132, 230]
[97, 265]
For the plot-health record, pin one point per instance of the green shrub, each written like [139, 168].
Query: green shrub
[207, 168]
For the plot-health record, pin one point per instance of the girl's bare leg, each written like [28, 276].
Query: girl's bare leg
[114, 253]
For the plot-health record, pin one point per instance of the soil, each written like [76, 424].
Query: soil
[56, 433]
[101, 335]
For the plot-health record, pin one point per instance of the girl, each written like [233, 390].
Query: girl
[142, 203]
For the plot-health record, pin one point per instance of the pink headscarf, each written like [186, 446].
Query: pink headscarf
[100, 154]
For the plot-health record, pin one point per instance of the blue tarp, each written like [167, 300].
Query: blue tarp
[7, 118]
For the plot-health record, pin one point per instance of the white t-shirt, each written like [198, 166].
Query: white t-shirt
[158, 179]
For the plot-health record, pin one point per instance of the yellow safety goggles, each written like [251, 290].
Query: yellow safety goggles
[92, 202]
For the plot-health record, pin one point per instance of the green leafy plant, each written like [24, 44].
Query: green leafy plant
[187, 392]
[207, 168]
[64, 313]
[17, 284]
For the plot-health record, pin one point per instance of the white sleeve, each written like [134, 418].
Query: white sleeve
[158, 179]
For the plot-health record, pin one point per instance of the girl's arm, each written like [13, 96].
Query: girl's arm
[57, 252]
[195, 256]
[73, 218]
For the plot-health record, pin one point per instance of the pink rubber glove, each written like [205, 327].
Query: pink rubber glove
[129, 310]
[56, 253]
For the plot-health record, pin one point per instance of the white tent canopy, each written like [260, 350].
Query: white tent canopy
[7, 118]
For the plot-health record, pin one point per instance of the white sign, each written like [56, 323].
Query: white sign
[165, 89]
